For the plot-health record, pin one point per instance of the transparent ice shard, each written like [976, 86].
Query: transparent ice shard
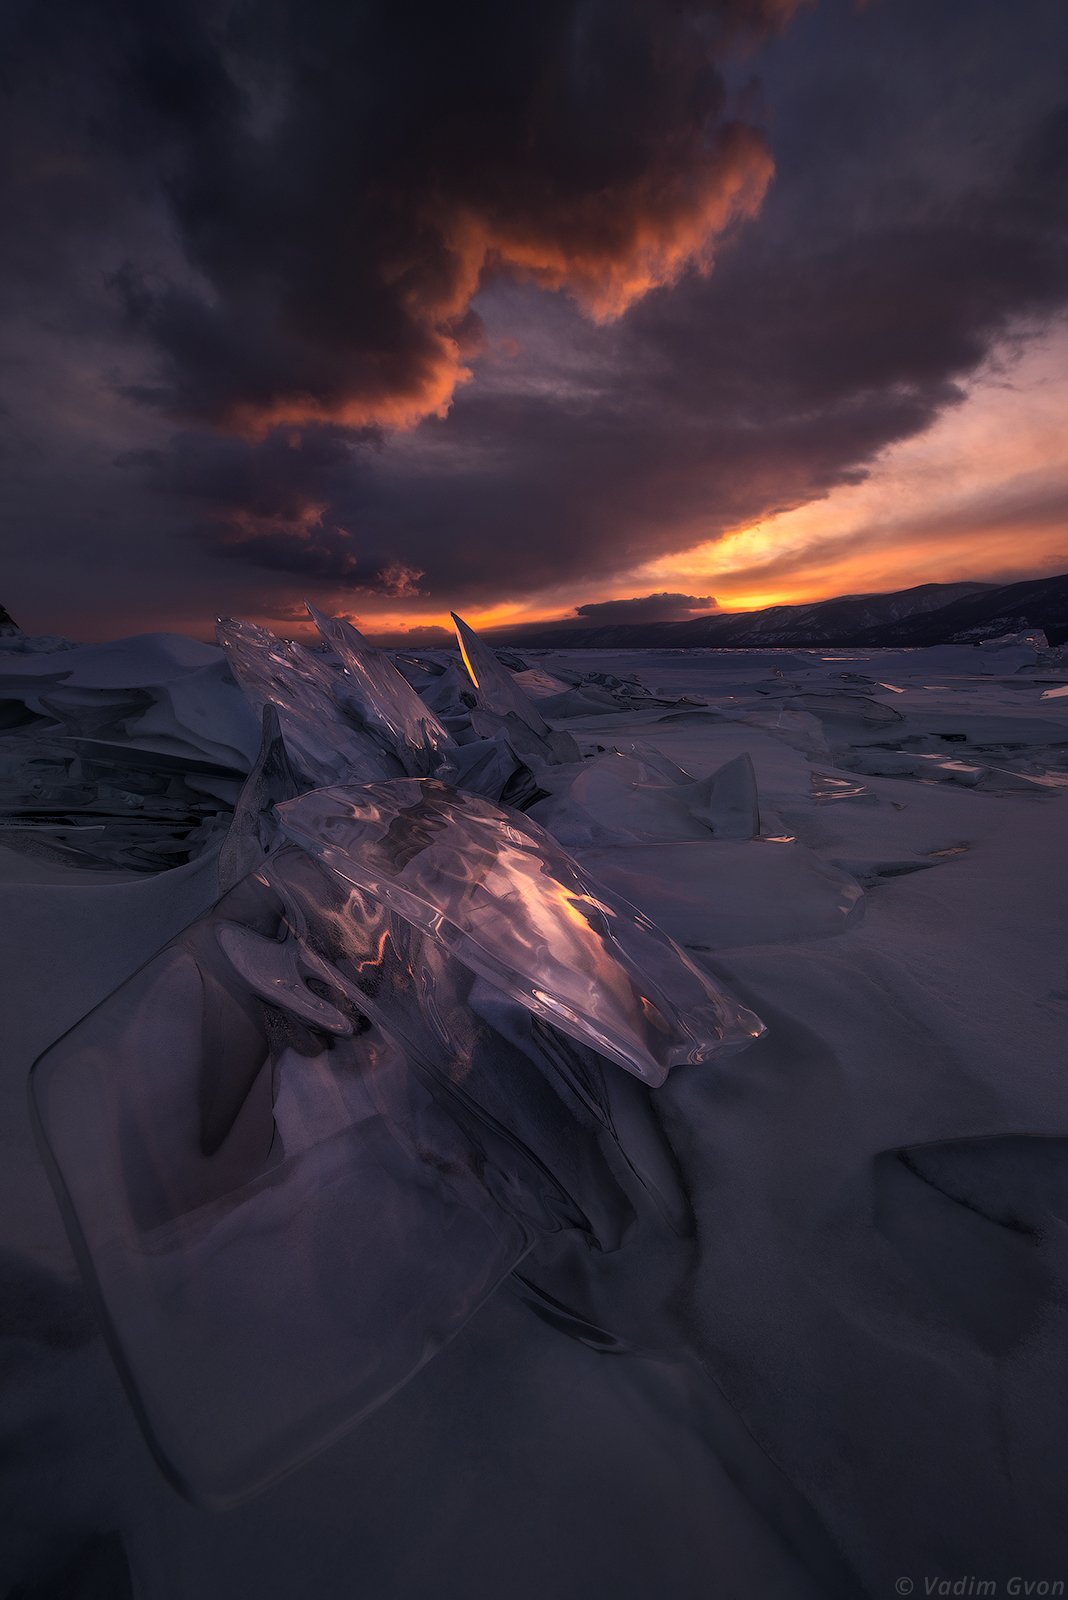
[656, 760]
[299, 1148]
[326, 739]
[565, 692]
[103, 804]
[282, 1225]
[727, 800]
[499, 695]
[391, 708]
[451, 694]
[800, 729]
[352, 717]
[125, 758]
[616, 798]
[490, 767]
[409, 728]
[508, 901]
[253, 832]
[537, 683]
[645, 797]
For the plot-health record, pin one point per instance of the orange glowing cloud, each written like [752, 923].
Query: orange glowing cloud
[607, 250]
[378, 402]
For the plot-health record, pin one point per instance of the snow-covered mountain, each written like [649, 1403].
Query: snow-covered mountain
[929, 613]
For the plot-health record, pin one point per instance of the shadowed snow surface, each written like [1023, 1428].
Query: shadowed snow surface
[865, 1378]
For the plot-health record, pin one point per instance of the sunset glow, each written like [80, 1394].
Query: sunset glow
[706, 319]
[981, 495]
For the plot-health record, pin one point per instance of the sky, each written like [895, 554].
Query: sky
[605, 309]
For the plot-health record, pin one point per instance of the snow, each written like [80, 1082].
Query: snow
[848, 1368]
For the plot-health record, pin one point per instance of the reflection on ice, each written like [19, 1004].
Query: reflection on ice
[498, 694]
[324, 738]
[503, 896]
[827, 786]
[390, 707]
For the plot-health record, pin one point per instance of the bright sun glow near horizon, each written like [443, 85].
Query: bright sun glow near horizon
[979, 496]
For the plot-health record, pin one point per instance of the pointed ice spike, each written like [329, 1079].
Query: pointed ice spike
[499, 694]
[385, 699]
[497, 690]
[727, 800]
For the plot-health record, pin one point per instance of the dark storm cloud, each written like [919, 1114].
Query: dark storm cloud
[274, 219]
[340, 178]
[845, 320]
[661, 607]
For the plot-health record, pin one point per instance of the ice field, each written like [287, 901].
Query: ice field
[532, 1123]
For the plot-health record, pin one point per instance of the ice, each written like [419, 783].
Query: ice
[300, 1147]
[497, 694]
[410, 730]
[133, 756]
[502, 894]
[253, 832]
[848, 718]
[490, 767]
[449, 692]
[798, 728]
[614, 797]
[542, 685]
[406, 727]
[282, 1228]
[494, 684]
[307, 1145]
[324, 732]
[827, 786]
[584, 700]
[731, 806]
[120, 758]
[640, 797]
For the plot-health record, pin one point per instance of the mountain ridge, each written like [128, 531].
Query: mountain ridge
[928, 613]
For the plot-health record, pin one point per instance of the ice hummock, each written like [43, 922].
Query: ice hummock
[300, 1147]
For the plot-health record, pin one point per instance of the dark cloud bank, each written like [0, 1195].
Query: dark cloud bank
[295, 230]
[661, 607]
